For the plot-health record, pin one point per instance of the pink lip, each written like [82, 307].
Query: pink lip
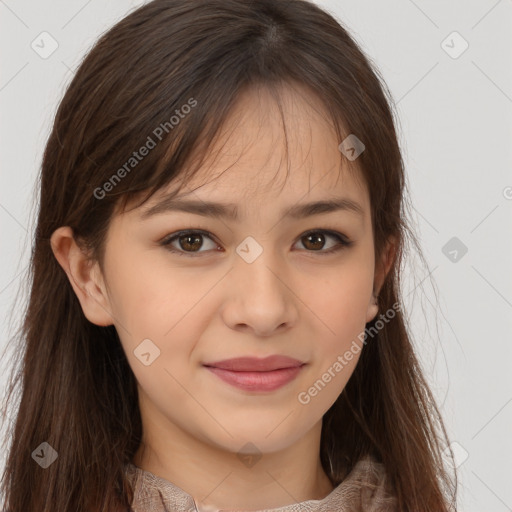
[257, 381]
[254, 374]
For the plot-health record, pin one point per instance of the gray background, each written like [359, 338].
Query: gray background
[455, 132]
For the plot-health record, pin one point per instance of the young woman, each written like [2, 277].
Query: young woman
[214, 318]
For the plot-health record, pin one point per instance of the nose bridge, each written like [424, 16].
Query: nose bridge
[257, 265]
[260, 299]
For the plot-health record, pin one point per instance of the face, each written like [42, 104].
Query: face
[264, 283]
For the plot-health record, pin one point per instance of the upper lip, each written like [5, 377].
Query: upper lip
[248, 364]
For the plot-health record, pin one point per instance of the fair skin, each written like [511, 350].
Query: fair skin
[290, 300]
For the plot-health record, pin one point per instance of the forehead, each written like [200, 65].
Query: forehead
[268, 142]
[272, 151]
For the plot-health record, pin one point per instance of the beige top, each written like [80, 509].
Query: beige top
[363, 490]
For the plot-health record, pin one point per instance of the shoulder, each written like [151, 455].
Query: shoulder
[370, 485]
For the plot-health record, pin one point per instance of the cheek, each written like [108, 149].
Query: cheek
[146, 293]
[341, 305]
[168, 307]
[341, 301]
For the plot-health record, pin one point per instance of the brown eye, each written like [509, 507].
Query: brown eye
[189, 242]
[314, 241]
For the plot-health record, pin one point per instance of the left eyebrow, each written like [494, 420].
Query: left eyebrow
[230, 210]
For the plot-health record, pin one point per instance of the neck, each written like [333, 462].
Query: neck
[219, 478]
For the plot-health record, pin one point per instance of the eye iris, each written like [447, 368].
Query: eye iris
[187, 238]
[315, 239]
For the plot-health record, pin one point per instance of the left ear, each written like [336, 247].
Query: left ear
[382, 267]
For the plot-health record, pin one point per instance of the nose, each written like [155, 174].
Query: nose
[259, 298]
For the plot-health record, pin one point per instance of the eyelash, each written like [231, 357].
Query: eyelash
[343, 242]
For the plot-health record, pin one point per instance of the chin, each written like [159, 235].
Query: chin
[254, 440]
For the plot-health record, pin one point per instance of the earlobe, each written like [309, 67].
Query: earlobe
[83, 276]
[373, 309]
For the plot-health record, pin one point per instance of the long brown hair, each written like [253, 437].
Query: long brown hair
[76, 389]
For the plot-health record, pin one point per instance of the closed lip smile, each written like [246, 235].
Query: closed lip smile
[257, 374]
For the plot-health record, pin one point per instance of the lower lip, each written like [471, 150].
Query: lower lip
[257, 381]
